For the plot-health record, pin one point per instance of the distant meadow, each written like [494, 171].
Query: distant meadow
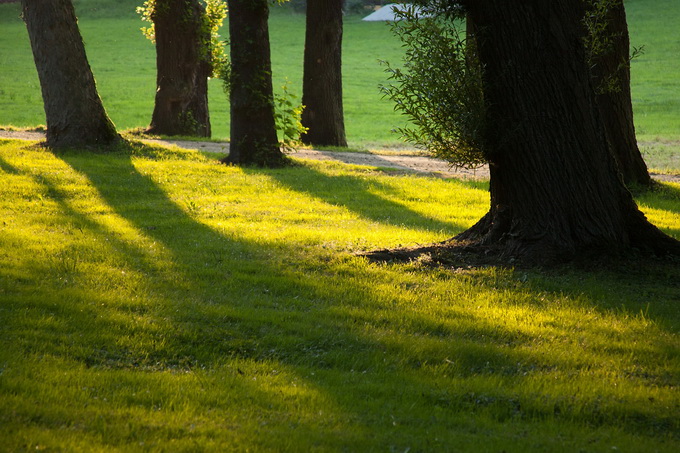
[123, 62]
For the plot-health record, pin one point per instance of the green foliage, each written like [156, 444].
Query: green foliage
[215, 13]
[439, 89]
[600, 41]
[155, 300]
[214, 48]
[147, 11]
[288, 117]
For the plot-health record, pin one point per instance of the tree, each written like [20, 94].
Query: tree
[555, 190]
[253, 128]
[183, 64]
[74, 112]
[322, 80]
[609, 49]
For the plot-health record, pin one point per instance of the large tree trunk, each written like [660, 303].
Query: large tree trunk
[253, 128]
[322, 81]
[611, 70]
[182, 69]
[74, 112]
[555, 188]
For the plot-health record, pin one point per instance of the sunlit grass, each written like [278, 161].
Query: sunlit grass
[154, 299]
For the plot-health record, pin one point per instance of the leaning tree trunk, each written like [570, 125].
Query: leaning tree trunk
[555, 188]
[322, 80]
[611, 70]
[74, 112]
[253, 128]
[182, 69]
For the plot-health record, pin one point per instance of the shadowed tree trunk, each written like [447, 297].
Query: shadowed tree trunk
[253, 128]
[182, 69]
[74, 112]
[611, 70]
[555, 188]
[322, 81]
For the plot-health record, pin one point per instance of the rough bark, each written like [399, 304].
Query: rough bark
[555, 188]
[322, 80]
[611, 71]
[74, 112]
[253, 128]
[182, 69]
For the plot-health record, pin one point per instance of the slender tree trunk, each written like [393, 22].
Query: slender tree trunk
[612, 79]
[253, 128]
[182, 69]
[555, 188]
[74, 112]
[322, 81]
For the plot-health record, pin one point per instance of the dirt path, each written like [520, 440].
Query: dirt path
[407, 163]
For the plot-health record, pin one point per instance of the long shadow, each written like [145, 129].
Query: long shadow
[191, 245]
[249, 279]
[256, 306]
[227, 317]
[360, 195]
[8, 168]
[71, 299]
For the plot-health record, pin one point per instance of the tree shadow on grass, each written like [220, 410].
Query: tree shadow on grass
[8, 168]
[342, 335]
[255, 309]
[247, 287]
[71, 298]
[361, 195]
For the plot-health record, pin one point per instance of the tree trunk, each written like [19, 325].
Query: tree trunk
[322, 81]
[182, 69]
[612, 80]
[555, 188]
[253, 128]
[74, 112]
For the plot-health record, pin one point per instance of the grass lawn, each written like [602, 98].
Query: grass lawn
[155, 300]
[123, 62]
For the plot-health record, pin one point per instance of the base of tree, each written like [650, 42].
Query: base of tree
[271, 160]
[485, 244]
[89, 143]
[466, 255]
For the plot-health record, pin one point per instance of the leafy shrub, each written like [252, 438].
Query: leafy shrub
[288, 117]
[439, 88]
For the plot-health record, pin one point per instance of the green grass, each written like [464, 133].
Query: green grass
[655, 74]
[155, 300]
[123, 62]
